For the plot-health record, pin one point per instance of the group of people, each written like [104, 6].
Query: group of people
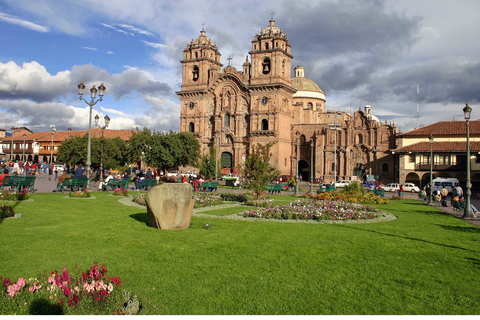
[27, 168]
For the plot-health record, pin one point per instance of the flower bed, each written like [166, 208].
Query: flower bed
[13, 196]
[120, 192]
[311, 209]
[80, 194]
[91, 292]
[348, 196]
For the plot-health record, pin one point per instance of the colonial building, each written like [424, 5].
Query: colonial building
[448, 149]
[44, 146]
[262, 103]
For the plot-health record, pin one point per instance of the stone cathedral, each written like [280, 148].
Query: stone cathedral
[262, 103]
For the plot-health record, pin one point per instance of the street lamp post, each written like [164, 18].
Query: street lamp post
[311, 166]
[296, 172]
[69, 132]
[52, 128]
[93, 93]
[11, 149]
[467, 111]
[107, 121]
[431, 170]
[24, 136]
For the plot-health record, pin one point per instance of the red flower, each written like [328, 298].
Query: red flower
[70, 301]
[7, 282]
[104, 269]
[76, 298]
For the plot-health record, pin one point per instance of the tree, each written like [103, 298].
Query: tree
[258, 169]
[74, 151]
[163, 150]
[207, 164]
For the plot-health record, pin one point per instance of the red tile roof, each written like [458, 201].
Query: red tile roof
[450, 128]
[445, 146]
[63, 135]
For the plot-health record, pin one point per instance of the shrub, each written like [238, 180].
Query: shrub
[79, 194]
[6, 211]
[233, 197]
[355, 186]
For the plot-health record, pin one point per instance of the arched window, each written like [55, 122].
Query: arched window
[266, 45]
[196, 55]
[195, 73]
[309, 105]
[264, 124]
[359, 139]
[385, 167]
[266, 66]
[191, 127]
[302, 139]
[226, 121]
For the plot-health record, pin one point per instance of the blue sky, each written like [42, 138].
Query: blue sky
[358, 52]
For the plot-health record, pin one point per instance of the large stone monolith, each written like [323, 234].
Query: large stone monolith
[170, 206]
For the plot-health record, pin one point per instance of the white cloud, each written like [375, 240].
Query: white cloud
[23, 23]
[114, 111]
[90, 48]
[137, 30]
[153, 44]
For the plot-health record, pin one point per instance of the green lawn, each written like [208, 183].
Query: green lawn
[425, 262]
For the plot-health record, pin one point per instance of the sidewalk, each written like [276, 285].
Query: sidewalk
[458, 214]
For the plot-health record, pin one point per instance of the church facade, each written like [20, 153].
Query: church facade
[262, 103]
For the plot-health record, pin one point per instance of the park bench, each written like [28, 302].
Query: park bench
[378, 192]
[326, 189]
[147, 184]
[457, 206]
[19, 183]
[275, 188]
[212, 185]
[27, 183]
[73, 184]
[116, 183]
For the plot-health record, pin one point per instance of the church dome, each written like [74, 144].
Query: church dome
[202, 41]
[271, 31]
[305, 87]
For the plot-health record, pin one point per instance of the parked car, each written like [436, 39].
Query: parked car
[190, 174]
[410, 187]
[392, 187]
[230, 176]
[342, 183]
[58, 167]
[173, 173]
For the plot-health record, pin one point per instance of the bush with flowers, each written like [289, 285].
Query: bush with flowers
[80, 194]
[13, 195]
[120, 192]
[311, 209]
[6, 211]
[348, 196]
[90, 292]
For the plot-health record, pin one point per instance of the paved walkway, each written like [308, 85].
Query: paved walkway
[46, 183]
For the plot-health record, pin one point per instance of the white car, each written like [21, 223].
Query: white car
[58, 167]
[410, 187]
[392, 187]
[190, 174]
[172, 174]
[342, 183]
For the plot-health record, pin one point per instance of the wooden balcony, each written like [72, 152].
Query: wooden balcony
[441, 167]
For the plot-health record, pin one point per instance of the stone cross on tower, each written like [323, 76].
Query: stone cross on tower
[229, 60]
[203, 26]
[272, 13]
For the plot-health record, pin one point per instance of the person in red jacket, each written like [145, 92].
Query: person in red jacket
[5, 174]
